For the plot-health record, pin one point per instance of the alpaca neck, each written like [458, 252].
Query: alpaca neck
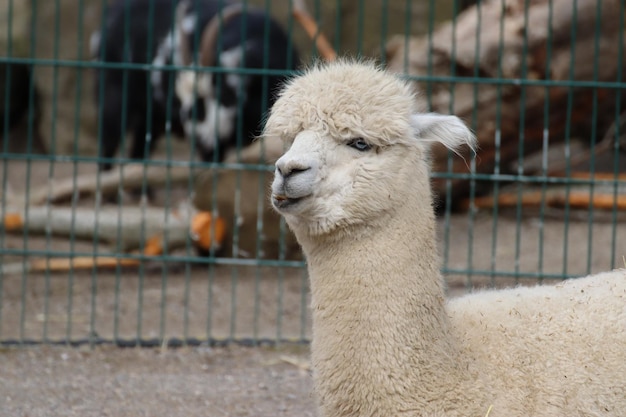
[379, 312]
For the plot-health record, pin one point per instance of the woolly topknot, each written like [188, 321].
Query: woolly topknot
[344, 99]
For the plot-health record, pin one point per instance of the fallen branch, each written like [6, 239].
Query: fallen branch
[67, 264]
[133, 176]
[122, 227]
[309, 25]
[575, 199]
[603, 176]
[106, 184]
[558, 198]
[151, 231]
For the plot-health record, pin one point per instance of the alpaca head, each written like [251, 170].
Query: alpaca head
[357, 147]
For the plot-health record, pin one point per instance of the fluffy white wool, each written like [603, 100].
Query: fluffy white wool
[354, 188]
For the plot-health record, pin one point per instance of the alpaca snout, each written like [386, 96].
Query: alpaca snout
[302, 156]
[293, 181]
[288, 169]
[297, 183]
[297, 172]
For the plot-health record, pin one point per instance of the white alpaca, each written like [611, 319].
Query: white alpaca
[354, 188]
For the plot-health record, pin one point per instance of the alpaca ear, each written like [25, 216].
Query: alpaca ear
[450, 131]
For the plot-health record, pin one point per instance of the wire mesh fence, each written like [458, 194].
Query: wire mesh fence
[133, 197]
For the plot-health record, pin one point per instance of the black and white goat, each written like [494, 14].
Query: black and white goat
[218, 106]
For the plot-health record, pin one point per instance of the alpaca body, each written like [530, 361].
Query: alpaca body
[565, 343]
[553, 350]
[354, 188]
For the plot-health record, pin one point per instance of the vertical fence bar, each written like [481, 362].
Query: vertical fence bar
[545, 143]
[616, 144]
[520, 149]
[471, 214]
[384, 20]
[594, 118]
[77, 117]
[407, 33]
[360, 28]
[51, 170]
[497, 144]
[337, 26]
[25, 234]
[448, 184]
[429, 71]
[568, 130]
[5, 150]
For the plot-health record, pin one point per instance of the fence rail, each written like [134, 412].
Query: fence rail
[544, 198]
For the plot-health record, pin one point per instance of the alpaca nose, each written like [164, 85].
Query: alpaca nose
[287, 168]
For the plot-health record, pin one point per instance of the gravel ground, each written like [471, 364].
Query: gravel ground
[107, 381]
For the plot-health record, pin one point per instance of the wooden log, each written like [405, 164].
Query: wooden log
[551, 198]
[556, 196]
[301, 14]
[152, 231]
[67, 264]
[107, 184]
[133, 176]
[551, 45]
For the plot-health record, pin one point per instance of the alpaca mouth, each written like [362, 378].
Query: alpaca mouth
[281, 201]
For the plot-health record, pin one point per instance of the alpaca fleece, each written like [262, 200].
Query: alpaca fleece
[354, 187]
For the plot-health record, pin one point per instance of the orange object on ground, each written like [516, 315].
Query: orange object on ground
[13, 221]
[79, 262]
[204, 227]
[575, 199]
[154, 246]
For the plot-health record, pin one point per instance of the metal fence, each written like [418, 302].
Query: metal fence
[127, 256]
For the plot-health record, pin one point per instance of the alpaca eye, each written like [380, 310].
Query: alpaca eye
[360, 144]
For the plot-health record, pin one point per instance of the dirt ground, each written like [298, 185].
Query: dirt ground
[181, 300]
[107, 381]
